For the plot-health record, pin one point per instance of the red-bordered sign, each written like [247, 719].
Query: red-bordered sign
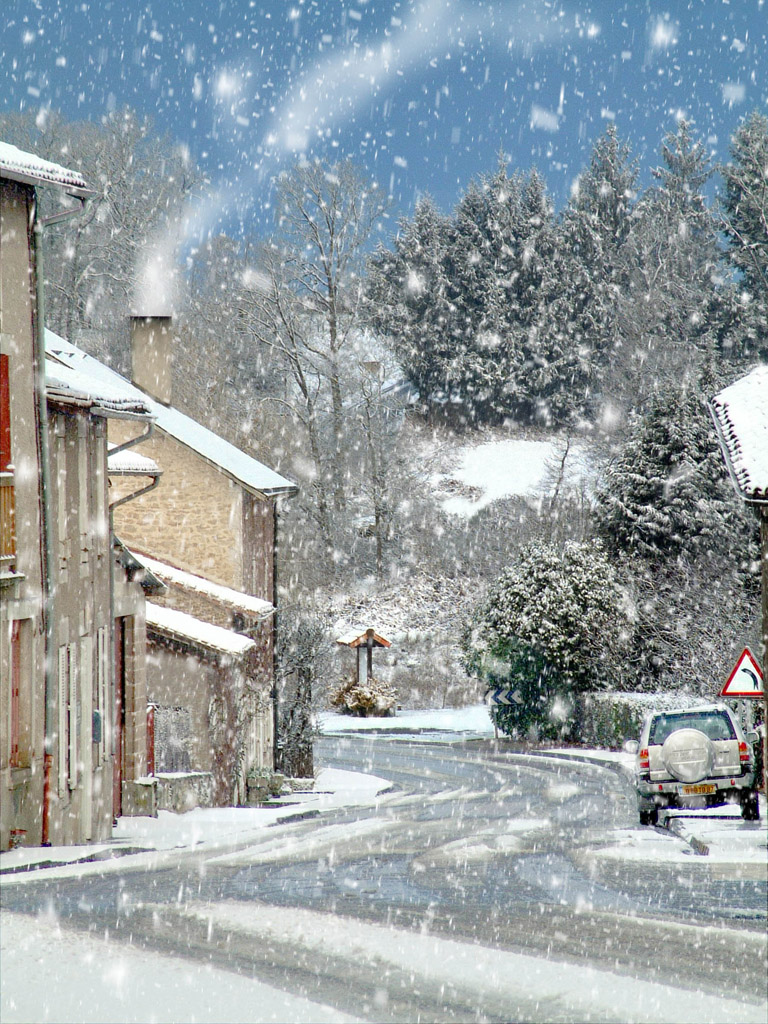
[746, 680]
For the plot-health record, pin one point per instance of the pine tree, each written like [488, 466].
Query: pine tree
[578, 330]
[745, 223]
[672, 256]
[746, 203]
[411, 299]
[666, 494]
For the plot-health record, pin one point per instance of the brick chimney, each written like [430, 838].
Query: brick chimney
[152, 356]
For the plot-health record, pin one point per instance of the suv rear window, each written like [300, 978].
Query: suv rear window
[716, 725]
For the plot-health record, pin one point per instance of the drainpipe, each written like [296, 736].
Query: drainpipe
[49, 581]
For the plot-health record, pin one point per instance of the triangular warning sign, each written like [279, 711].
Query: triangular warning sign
[746, 680]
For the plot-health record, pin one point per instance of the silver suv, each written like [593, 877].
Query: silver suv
[694, 757]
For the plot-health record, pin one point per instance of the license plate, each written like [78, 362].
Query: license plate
[698, 790]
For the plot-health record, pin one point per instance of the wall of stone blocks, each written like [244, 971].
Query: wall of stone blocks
[193, 519]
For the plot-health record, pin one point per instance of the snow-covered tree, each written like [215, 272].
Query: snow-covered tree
[746, 202]
[672, 258]
[412, 301]
[556, 613]
[745, 223]
[666, 492]
[578, 334]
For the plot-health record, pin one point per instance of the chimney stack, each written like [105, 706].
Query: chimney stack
[152, 356]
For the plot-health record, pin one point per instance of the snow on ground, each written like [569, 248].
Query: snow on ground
[558, 990]
[49, 974]
[506, 468]
[473, 720]
[207, 829]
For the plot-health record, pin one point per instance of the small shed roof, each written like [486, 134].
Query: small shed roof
[129, 463]
[186, 628]
[359, 638]
[17, 165]
[740, 412]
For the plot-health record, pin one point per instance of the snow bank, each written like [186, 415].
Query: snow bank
[531, 987]
[88, 979]
[473, 720]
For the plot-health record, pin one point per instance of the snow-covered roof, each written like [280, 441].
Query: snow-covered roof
[740, 413]
[130, 463]
[249, 472]
[30, 169]
[139, 572]
[235, 599]
[359, 637]
[77, 387]
[188, 629]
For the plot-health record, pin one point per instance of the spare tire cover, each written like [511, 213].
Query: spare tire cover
[688, 755]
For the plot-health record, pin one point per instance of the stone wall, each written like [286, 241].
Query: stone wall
[193, 519]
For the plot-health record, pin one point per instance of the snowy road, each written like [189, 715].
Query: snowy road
[481, 887]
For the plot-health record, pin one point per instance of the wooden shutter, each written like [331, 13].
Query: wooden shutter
[72, 715]
[63, 737]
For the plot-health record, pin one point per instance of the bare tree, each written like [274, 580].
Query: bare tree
[305, 300]
[141, 181]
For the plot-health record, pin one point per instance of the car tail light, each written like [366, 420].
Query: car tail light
[645, 761]
[744, 752]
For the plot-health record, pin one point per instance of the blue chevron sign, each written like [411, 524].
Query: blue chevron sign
[500, 695]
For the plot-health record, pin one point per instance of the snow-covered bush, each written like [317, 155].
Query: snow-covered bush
[608, 719]
[552, 625]
[370, 698]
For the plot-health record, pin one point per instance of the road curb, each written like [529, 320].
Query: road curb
[678, 828]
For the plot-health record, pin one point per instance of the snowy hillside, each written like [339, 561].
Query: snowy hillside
[477, 473]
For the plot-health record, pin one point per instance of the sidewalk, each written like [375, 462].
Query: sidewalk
[139, 842]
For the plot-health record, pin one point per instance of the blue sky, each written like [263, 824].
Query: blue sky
[423, 95]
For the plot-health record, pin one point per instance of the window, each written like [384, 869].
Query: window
[20, 753]
[714, 724]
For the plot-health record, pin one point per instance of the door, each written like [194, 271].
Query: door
[119, 732]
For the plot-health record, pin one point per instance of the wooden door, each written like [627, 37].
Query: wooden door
[119, 734]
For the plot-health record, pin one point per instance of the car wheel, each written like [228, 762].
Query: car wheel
[750, 805]
[649, 815]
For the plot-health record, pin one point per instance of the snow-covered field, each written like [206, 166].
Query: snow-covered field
[508, 467]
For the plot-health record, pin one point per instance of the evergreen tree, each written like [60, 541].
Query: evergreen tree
[411, 299]
[746, 204]
[745, 222]
[578, 330]
[672, 258]
[667, 494]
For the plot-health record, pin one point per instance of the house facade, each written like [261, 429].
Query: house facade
[210, 532]
[66, 745]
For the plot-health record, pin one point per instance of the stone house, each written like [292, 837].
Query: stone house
[63, 755]
[210, 532]
[209, 682]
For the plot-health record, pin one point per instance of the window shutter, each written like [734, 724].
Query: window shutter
[72, 710]
[63, 739]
